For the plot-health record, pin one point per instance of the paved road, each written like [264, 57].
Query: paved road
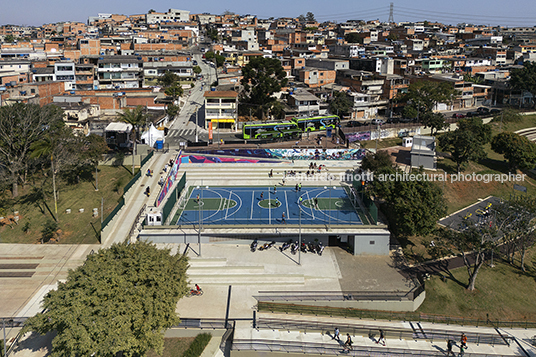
[187, 124]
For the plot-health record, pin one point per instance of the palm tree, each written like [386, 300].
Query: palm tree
[137, 118]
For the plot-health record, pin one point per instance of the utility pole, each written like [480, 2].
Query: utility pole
[196, 124]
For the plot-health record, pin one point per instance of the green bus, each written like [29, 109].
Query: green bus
[285, 130]
[317, 123]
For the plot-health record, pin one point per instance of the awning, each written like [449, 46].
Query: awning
[222, 120]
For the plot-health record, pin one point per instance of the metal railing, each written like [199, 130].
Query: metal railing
[389, 315]
[214, 324]
[327, 349]
[414, 333]
[338, 296]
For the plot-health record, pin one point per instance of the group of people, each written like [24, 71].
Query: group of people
[451, 344]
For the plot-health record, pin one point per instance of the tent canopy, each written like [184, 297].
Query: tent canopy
[150, 136]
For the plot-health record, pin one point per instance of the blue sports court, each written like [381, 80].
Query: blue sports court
[268, 205]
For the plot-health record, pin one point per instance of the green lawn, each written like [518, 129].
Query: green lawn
[35, 205]
[504, 292]
[173, 347]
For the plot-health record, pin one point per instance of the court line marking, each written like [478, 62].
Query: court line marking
[269, 210]
[216, 212]
[312, 213]
[228, 204]
[286, 203]
[252, 201]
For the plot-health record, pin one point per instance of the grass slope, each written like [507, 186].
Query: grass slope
[35, 205]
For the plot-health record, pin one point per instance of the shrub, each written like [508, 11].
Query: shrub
[49, 230]
[198, 345]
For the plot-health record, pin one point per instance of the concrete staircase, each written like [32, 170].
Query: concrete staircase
[236, 174]
[217, 271]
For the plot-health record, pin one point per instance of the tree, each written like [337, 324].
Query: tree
[58, 144]
[516, 220]
[374, 162]
[518, 150]
[211, 56]
[301, 18]
[174, 91]
[353, 37]
[197, 69]
[9, 39]
[340, 104]
[435, 121]
[524, 79]
[120, 301]
[137, 118]
[310, 17]
[472, 243]
[466, 143]
[412, 207]
[168, 78]
[508, 115]
[423, 97]
[172, 110]
[20, 126]
[261, 78]
[212, 33]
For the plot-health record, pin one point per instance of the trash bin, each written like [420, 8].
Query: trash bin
[159, 144]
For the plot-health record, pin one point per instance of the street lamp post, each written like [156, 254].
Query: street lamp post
[299, 238]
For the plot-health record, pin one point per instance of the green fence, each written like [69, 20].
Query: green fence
[369, 204]
[113, 213]
[147, 158]
[173, 197]
[131, 182]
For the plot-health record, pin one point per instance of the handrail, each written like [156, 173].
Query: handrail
[392, 332]
[332, 349]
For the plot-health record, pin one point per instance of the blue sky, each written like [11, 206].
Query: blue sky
[489, 12]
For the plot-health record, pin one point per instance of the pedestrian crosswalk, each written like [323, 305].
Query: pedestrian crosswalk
[184, 132]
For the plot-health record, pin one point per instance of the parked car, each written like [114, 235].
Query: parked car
[354, 123]
[458, 115]
[377, 122]
[482, 110]
[473, 114]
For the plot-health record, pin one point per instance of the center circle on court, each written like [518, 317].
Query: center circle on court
[269, 204]
[339, 203]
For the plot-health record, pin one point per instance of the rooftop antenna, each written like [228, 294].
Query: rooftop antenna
[391, 18]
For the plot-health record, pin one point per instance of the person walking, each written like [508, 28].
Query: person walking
[348, 343]
[382, 338]
[316, 203]
[463, 343]
[336, 334]
[450, 344]
[299, 186]
[275, 188]
[296, 187]
[283, 218]
[262, 196]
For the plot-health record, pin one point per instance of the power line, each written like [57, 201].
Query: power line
[463, 14]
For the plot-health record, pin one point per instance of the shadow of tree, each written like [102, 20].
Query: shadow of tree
[496, 165]
[35, 342]
[36, 196]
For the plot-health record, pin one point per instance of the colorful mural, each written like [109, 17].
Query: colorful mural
[197, 159]
[169, 180]
[283, 154]
[361, 136]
